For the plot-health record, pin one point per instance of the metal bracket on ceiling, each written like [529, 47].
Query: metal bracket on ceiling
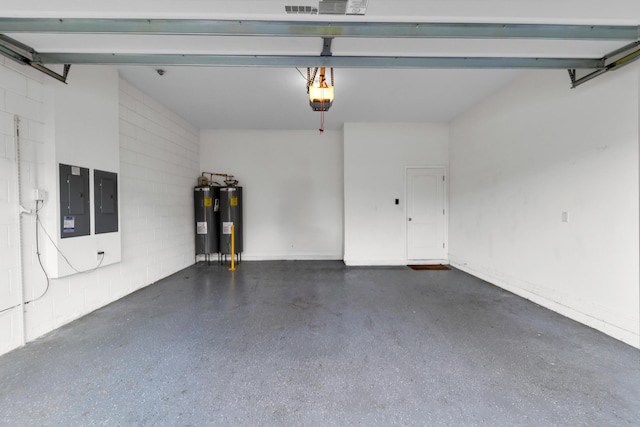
[326, 52]
[326, 46]
[24, 54]
[48, 71]
[610, 62]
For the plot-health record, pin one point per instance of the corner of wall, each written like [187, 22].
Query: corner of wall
[545, 193]
[156, 154]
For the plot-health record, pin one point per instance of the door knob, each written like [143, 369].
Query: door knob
[409, 219]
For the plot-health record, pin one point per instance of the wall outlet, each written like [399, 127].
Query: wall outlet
[39, 194]
[565, 216]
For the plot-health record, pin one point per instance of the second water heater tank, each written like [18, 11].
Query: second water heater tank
[230, 212]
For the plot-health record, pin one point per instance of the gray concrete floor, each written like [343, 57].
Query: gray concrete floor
[320, 344]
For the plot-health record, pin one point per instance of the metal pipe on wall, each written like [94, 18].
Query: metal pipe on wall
[229, 180]
[21, 210]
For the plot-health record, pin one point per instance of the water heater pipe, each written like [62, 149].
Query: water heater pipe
[229, 180]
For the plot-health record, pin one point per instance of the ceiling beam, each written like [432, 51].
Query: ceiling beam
[316, 61]
[319, 28]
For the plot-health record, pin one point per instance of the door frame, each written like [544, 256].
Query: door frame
[445, 194]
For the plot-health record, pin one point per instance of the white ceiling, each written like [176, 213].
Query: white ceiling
[275, 98]
[533, 11]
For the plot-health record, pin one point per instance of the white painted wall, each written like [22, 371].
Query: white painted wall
[21, 92]
[375, 158]
[292, 189]
[158, 162]
[529, 153]
[81, 129]
[518, 160]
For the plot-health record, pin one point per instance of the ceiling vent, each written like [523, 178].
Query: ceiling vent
[330, 7]
[304, 10]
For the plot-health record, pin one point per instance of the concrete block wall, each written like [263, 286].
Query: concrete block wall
[158, 169]
[21, 93]
[159, 166]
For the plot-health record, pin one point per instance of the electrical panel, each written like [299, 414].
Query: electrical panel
[105, 190]
[75, 218]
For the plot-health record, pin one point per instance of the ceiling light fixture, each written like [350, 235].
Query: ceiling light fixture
[320, 92]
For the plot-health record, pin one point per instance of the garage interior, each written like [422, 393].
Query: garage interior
[521, 120]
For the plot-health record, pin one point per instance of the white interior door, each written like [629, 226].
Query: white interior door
[425, 213]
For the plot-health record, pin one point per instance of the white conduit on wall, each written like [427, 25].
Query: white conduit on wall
[21, 210]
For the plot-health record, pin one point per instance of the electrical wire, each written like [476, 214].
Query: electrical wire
[9, 308]
[303, 76]
[39, 258]
[64, 256]
[39, 261]
[48, 279]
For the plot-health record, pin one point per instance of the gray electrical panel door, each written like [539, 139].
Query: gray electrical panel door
[75, 219]
[105, 190]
